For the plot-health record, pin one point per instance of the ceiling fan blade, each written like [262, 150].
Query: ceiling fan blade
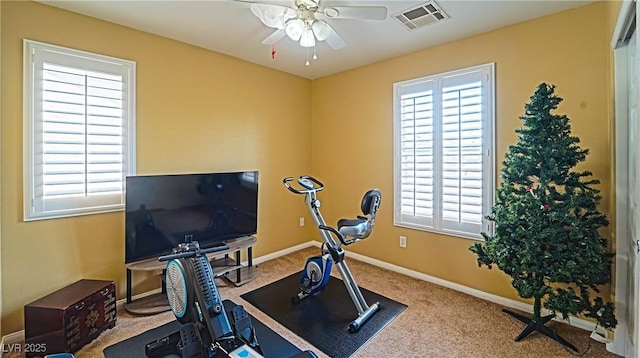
[274, 37]
[247, 3]
[273, 15]
[356, 12]
[240, 3]
[335, 41]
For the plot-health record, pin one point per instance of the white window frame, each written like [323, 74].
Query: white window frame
[37, 205]
[435, 222]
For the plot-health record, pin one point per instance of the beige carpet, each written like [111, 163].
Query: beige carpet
[439, 322]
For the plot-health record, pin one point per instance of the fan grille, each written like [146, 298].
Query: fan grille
[176, 289]
[421, 15]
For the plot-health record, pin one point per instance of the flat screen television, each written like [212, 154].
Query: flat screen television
[162, 211]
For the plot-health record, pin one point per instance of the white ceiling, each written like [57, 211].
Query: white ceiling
[228, 28]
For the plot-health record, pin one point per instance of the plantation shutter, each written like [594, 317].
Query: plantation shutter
[462, 112]
[81, 133]
[417, 154]
[444, 168]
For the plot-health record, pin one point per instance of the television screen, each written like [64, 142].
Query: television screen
[164, 210]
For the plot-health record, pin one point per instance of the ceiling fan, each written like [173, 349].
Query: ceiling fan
[300, 21]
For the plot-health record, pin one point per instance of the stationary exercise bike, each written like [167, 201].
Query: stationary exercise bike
[317, 270]
[206, 330]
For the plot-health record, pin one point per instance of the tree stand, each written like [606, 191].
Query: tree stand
[538, 325]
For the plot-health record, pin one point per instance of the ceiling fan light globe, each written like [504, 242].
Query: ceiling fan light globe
[309, 3]
[331, 12]
[307, 39]
[321, 29]
[294, 29]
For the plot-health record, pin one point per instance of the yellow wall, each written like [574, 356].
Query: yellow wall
[197, 111]
[200, 111]
[352, 126]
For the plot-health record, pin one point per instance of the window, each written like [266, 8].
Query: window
[444, 153]
[79, 137]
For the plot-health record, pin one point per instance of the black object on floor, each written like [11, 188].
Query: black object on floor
[539, 326]
[323, 320]
[272, 344]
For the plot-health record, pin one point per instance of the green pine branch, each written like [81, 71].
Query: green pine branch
[547, 224]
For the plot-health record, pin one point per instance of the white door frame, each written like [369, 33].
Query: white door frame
[626, 281]
[0, 184]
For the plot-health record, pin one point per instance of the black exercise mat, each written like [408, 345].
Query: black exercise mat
[323, 320]
[272, 344]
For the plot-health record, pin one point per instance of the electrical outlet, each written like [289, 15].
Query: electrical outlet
[403, 242]
[302, 221]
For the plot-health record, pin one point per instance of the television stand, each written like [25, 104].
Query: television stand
[221, 262]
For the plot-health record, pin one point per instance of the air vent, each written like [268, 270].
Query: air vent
[421, 15]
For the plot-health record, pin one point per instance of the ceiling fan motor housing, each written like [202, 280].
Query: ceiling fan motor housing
[300, 23]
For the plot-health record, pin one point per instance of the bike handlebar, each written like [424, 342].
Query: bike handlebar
[315, 184]
[192, 253]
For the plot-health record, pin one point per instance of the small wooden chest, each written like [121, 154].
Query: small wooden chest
[69, 318]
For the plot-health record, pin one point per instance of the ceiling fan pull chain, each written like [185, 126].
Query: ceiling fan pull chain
[300, 24]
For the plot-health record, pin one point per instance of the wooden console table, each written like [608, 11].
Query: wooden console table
[221, 262]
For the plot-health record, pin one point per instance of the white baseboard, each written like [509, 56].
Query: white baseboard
[507, 302]
[518, 305]
[18, 336]
[275, 255]
[139, 296]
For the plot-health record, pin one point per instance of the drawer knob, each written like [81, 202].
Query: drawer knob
[79, 306]
[105, 291]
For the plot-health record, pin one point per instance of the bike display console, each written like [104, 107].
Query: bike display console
[224, 263]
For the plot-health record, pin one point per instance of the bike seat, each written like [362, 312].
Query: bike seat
[360, 228]
[352, 227]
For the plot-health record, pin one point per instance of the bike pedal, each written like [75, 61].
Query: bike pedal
[243, 325]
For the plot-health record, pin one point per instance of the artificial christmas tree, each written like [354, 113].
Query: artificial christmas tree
[546, 233]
